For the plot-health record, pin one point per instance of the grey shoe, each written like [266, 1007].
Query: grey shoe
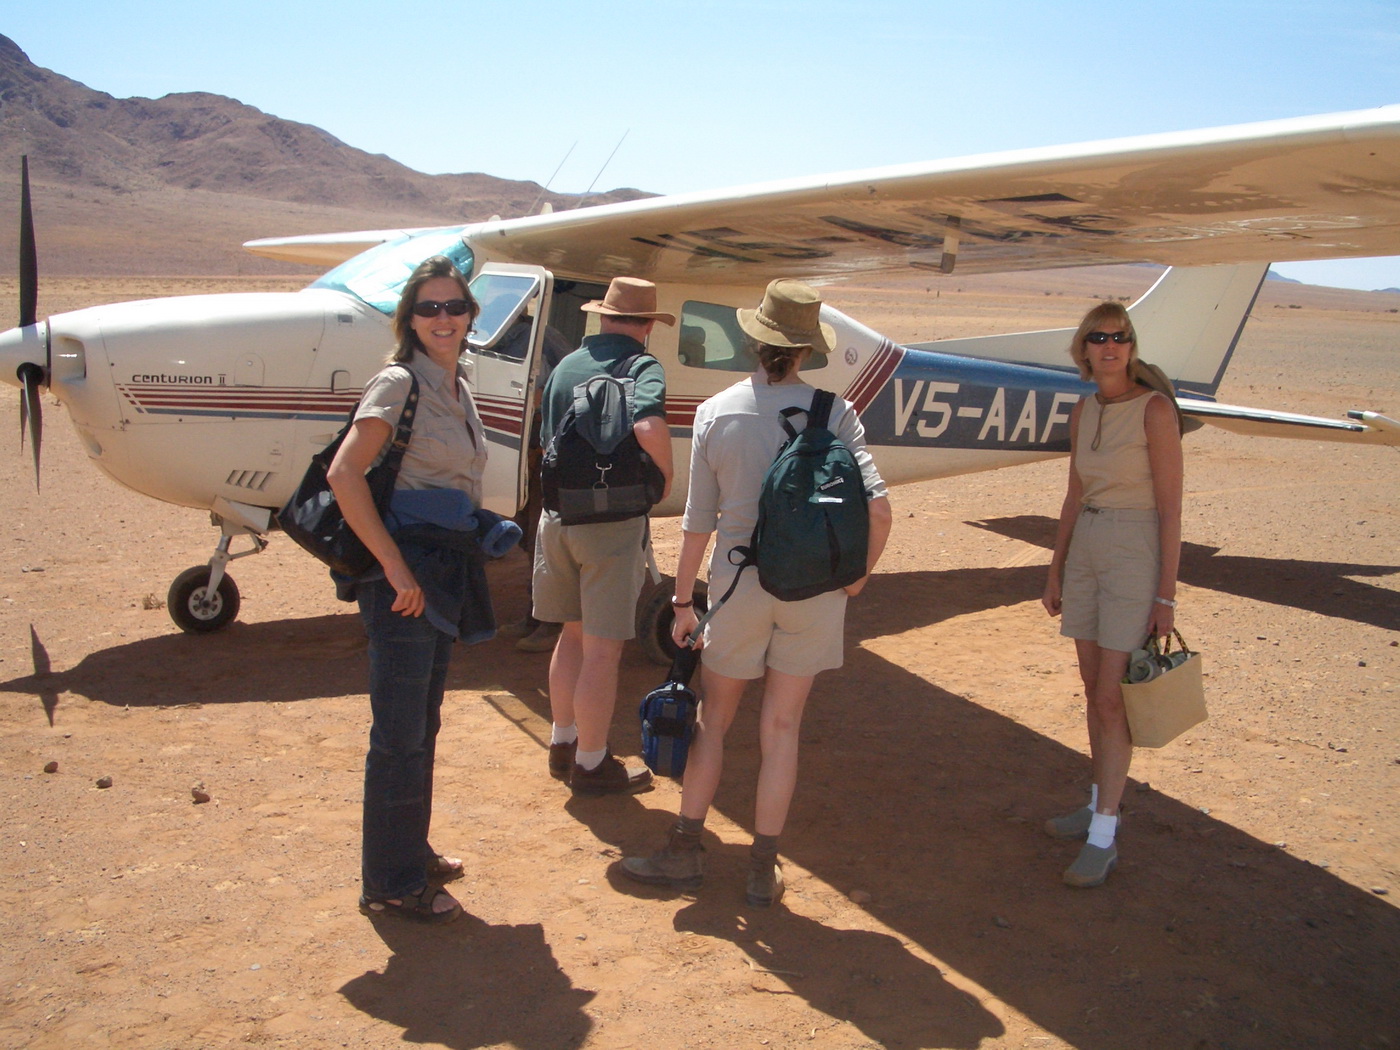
[680, 865]
[541, 640]
[1092, 866]
[765, 887]
[1071, 826]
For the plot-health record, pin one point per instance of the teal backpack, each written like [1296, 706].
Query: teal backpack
[813, 531]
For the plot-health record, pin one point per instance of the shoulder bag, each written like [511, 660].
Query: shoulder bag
[312, 517]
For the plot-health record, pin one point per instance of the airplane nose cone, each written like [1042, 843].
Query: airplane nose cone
[19, 346]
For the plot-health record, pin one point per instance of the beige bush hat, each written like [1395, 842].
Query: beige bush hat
[789, 316]
[629, 297]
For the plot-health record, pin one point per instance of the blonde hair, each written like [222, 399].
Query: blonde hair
[1139, 371]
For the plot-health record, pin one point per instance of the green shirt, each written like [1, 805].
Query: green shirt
[595, 357]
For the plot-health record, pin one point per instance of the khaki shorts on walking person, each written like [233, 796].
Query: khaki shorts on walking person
[754, 631]
[1111, 577]
[591, 573]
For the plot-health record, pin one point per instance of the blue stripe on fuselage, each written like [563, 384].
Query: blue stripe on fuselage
[943, 401]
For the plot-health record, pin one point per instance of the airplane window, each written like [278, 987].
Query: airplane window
[502, 297]
[710, 337]
[377, 276]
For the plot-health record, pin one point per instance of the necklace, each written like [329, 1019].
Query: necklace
[1116, 399]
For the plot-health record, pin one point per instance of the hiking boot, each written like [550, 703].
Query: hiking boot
[611, 777]
[1071, 826]
[680, 865]
[1092, 866]
[561, 760]
[541, 639]
[765, 886]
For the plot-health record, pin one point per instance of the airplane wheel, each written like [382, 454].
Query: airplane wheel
[194, 609]
[654, 619]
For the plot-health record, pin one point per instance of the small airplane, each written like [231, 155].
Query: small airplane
[219, 401]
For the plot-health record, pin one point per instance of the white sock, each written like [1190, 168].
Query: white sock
[1094, 796]
[1102, 828]
[563, 734]
[590, 759]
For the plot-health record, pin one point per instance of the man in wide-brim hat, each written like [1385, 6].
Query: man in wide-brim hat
[589, 577]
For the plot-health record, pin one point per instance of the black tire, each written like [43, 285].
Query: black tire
[654, 619]
[188, 608]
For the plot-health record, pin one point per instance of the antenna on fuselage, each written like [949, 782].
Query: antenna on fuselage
[545, 188]
[602, 169]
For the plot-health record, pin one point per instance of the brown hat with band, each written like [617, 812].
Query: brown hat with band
[789, 316]
[630, 297]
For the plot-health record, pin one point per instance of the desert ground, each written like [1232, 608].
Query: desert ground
[1255, 905]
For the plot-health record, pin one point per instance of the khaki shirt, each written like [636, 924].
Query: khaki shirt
[448, 447]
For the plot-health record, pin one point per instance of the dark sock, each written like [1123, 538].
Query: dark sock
[764, 848]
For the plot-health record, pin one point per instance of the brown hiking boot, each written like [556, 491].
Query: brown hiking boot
[680, 865]
[610, 777]
[561, 760]
[765, 883]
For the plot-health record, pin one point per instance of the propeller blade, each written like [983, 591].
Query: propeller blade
[28, 257]
[31, 412]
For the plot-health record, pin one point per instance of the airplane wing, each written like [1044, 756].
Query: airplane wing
[1362, 428]
[1306, 188]
[327, 249]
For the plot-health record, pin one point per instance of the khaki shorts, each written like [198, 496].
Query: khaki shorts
[1111, 576]
[754, 631]
[590, 573]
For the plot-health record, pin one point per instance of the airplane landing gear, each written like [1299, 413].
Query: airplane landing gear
[655, 615]
[203, 599]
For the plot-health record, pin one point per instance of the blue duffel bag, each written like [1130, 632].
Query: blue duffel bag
[668, 718]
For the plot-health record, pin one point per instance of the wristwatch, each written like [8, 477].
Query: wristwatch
[676, 603]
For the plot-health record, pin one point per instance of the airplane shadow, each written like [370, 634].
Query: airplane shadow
[1313, 586]
[471, 985]
[946, 838]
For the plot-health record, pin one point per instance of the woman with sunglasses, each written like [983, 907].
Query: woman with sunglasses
[412, 604]
[1117, 549]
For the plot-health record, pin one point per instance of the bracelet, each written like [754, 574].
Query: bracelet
[676, 603]
[1168, 602]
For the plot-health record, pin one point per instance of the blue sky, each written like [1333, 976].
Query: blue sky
[709, 93]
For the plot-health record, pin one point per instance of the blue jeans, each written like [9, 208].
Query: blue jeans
[408, 659]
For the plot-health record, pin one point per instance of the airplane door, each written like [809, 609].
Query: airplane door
[502, 360]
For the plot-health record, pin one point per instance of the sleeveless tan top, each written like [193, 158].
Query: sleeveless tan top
[1117, 474]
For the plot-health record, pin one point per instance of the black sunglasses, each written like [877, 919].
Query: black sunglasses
[431, 307]
[1099, 338]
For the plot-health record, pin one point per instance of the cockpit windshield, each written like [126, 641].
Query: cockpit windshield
[378, 275]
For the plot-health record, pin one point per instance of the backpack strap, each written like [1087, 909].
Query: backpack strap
[820, 413]
[403, 433]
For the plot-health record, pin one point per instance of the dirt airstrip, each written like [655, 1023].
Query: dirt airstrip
[1255, 905]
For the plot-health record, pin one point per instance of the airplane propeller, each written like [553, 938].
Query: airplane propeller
[31, 375]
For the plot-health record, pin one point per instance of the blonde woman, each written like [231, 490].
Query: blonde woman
[1112, 578]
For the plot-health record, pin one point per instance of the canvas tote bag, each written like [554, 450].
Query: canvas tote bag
[1164, 707]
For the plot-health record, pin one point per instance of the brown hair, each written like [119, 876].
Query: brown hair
[778, 362]
[425, 271]
[1139, 371]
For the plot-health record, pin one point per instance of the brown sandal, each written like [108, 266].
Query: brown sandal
[415, 906]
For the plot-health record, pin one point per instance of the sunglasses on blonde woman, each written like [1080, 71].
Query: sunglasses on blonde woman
[1099, 338]
[431, 307]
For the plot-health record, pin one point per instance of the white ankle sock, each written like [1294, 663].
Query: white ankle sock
[563, 734]
[1102, 828]
[590, 759]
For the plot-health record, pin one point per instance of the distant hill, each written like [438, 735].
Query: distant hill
[176, 184]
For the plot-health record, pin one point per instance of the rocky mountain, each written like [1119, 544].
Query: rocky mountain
[176, 184]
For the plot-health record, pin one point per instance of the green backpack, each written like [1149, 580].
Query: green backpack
[813, 531]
